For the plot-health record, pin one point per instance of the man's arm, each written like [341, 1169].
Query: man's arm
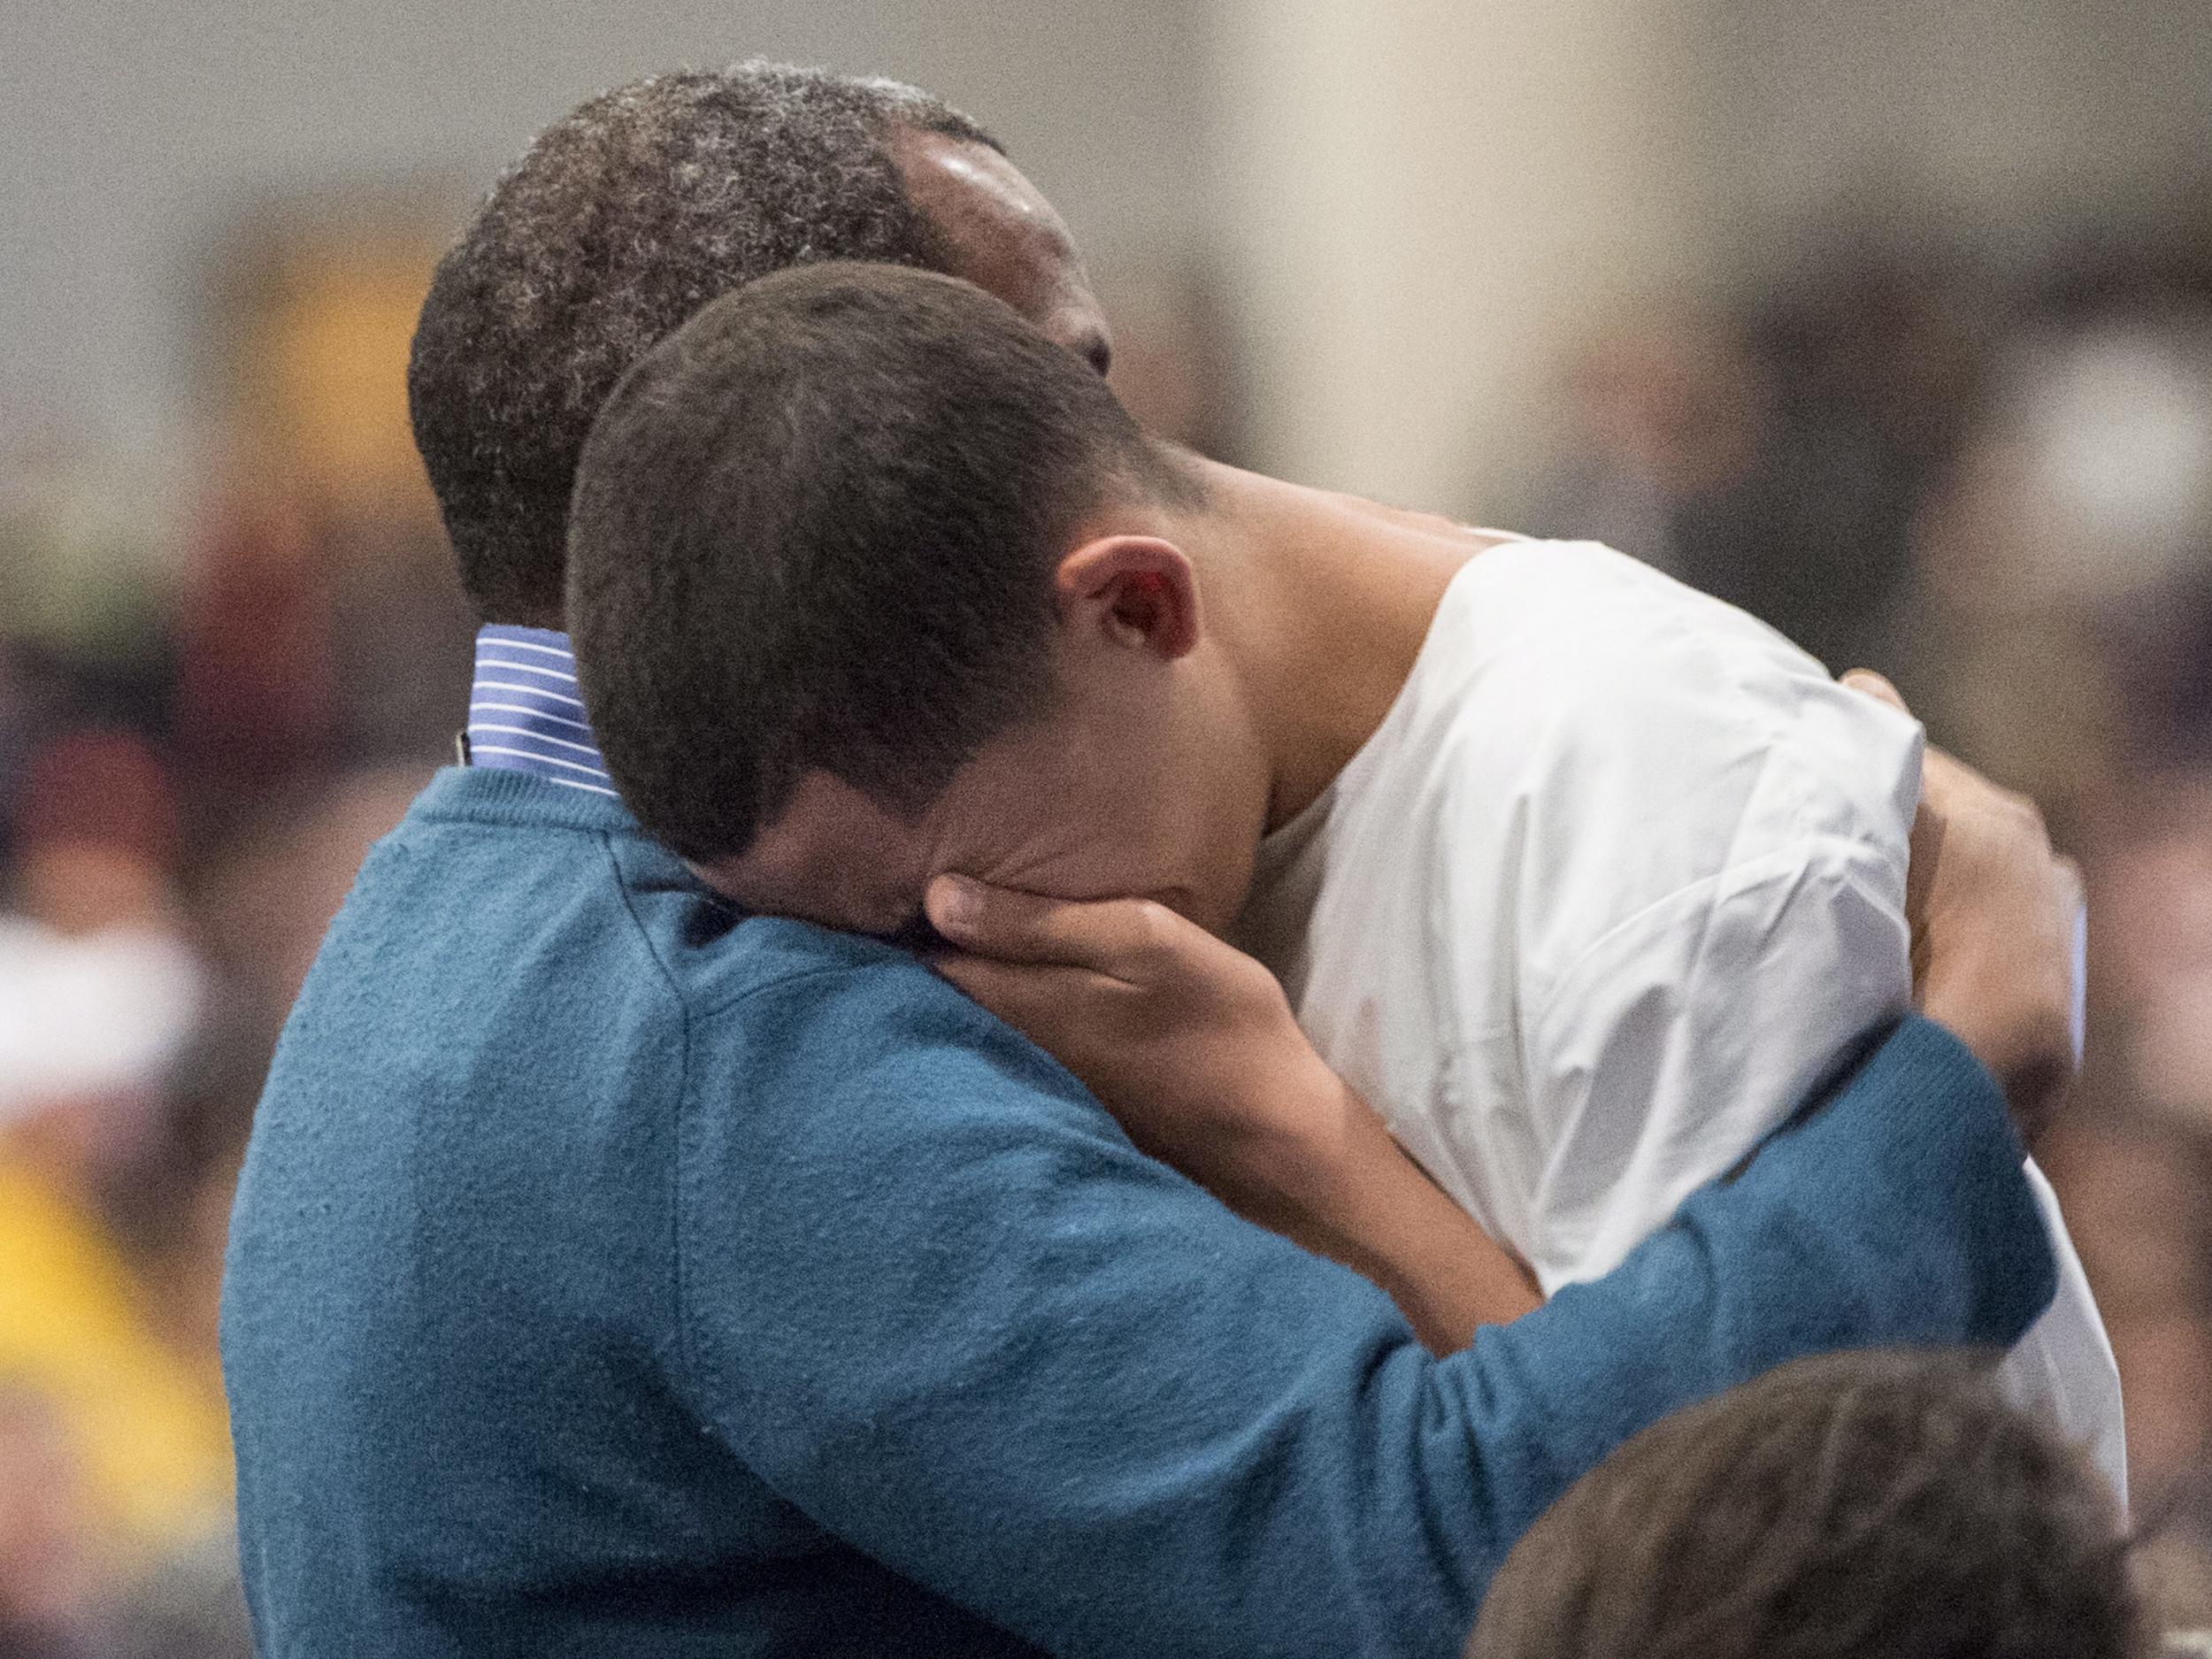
[936, 1298]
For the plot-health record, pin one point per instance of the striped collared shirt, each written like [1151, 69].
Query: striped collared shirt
[525, 713]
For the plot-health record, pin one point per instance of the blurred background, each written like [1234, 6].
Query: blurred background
[1890, 322]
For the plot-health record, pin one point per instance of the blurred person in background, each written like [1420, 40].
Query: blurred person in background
[106, 1312]
[2063, 588]
[89, 1028]
[319, 629]
[1853, 1506]
[61, 1595]
[1662, 408]
[178, 822]
[95, 836]
[85, 616]
[264, 895]
[2025, 518]
[15, 721]
[1778, 457]
[50, 1579]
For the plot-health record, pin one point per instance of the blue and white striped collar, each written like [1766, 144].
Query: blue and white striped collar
[525, 714]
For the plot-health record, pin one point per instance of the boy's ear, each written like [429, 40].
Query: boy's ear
[1132, 591]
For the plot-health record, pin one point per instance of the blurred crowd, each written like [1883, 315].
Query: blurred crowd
[1995, 486]
[208, 707]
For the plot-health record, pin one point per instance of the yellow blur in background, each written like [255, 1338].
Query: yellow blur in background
[82, 1329]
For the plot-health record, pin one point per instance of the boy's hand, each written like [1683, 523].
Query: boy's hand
[1191, 1044]
[1996, 917]
[1186, 1040]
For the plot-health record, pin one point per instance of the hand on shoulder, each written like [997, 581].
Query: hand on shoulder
[1996, 920]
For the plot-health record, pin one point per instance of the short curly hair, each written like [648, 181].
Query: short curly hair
[1877, 1505]
[815, 530]
[620, 221]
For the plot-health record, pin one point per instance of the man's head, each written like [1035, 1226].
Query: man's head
[1859, 1506]
[871, 581]
[622, 220]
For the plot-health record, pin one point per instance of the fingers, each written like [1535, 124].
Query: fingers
[1127, 938]
[1877, 686]
[1953, 793]
[1042, 1001]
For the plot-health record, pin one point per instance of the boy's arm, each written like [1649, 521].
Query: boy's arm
[1680, 1040]
[1710, 921]
[1111, 986]
[1189, 1043]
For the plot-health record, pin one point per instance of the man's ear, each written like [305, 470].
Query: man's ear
[1132, 591]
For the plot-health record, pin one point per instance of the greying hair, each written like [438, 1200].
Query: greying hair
[618, 223]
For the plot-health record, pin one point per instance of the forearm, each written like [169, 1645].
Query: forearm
[1365, 1203]
[1910, 1182]
[1896, 1213]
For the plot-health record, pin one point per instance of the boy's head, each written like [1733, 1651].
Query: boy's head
[1858, 1506]
[626, 216]
[870, 581]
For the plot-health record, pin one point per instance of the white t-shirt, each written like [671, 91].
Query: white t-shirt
[1616, 884]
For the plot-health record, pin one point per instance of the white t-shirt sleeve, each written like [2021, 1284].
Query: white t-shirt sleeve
[1616, 887]
[1699, 921]
[1679, 1039]
[1710, 920]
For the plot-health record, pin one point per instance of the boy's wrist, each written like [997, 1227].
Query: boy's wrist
[1303, 1169]
[2016, 1021]
[1342, 1188]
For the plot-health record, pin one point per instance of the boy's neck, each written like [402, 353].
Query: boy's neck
[1322, 603]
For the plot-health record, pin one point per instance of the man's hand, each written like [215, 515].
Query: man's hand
[1996, 917]
[1192, 1046]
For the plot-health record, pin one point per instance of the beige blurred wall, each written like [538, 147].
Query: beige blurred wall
[1424, 204]
[134, 130]
[1413, 205]
[1985, 119]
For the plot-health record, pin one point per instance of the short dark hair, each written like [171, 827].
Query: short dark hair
[1857, 1506]
[815, 529]
[618, 223]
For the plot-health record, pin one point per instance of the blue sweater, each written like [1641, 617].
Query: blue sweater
[610, 1275]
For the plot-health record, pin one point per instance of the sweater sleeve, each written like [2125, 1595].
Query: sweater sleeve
[933, 1296]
